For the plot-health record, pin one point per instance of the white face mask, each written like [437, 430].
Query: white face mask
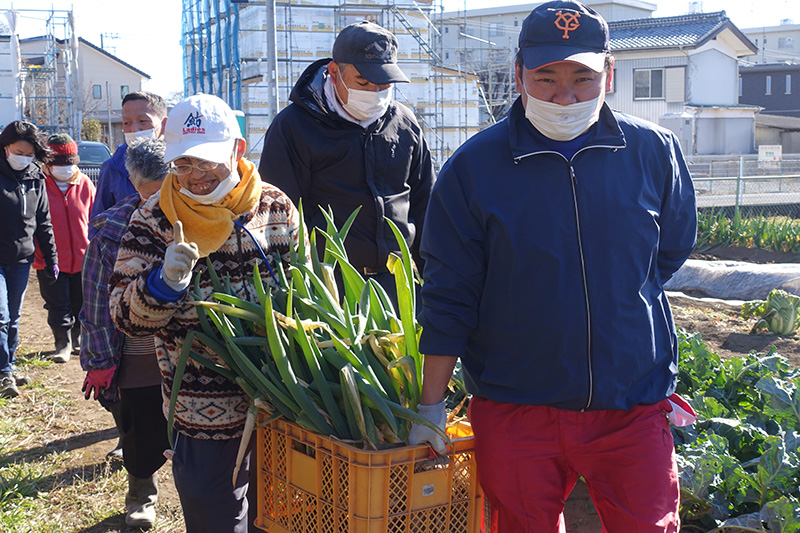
[223, 188]
[63, 173]
[18, 162]
[367, 105]
[149, 134]
[563, 122]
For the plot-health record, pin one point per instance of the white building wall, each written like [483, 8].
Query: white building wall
[623, 11]
[622, 99]
[97, 68]
[8, 83]
[718, 135]
[712, 78]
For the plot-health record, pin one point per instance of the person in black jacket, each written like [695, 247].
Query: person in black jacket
[26, 215]
[345, 143]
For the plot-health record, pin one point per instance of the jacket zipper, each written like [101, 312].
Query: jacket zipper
[69, 226]
[24, 198]
[573, 184]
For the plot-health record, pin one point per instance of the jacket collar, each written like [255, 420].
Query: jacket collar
[309, 93]
[606, 133]
[31, 172]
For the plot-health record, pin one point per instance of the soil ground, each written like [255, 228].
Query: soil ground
[719, 324]
[89, 447]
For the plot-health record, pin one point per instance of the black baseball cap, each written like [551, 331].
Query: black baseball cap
[372, 50]
[564, 31]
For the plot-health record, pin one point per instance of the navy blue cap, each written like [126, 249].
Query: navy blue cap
[372, 50]
[564, 31]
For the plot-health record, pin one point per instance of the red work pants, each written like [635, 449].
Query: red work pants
[529, 458]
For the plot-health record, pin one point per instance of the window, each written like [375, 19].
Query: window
[740, 86]
[788, 84]
[769, 85]
[97, 92]
[123, 91]
[785, 43]
[516, 22]
[648, 84]
[495, 30]
[613, 82]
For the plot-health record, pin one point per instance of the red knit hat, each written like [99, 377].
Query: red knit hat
[64, 150]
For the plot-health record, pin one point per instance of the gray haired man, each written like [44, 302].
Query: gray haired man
[122, 371]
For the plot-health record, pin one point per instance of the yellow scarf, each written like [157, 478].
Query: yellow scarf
[209, 226]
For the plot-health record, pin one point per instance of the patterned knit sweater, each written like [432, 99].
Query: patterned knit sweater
[209, 406]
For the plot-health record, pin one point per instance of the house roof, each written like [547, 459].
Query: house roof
[778, 121]
[36, 60]
[685, 31]
[781, 66]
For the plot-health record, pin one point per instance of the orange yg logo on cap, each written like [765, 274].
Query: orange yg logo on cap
[567, 21]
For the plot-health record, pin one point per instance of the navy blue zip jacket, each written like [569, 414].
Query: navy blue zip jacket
[545, 276]
[113, 184]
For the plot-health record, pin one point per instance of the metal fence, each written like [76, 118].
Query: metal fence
[744, 183]
[91, 172]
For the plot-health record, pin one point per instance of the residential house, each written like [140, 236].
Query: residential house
[778, 130]
[682, 72]
[773, 86]
[103, 80]
[484, 42]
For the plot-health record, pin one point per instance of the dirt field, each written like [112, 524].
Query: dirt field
[719, 324]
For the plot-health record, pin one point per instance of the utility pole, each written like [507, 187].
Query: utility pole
[271, 51]
[108, 108]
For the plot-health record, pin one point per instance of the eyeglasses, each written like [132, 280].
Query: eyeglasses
[186, 168]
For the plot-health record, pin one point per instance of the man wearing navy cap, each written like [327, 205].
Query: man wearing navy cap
[547, 242]
[344, 142]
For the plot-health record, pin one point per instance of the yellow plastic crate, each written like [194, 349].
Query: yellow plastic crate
[309, 483]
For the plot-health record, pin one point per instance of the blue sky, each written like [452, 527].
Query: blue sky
[148, 31]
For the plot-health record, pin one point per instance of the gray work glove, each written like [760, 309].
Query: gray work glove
[179, 260]
[419, 433]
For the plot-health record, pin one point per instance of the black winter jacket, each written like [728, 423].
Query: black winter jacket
[310, 152]
[26, 215]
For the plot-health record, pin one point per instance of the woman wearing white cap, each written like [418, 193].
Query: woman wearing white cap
[212, 204]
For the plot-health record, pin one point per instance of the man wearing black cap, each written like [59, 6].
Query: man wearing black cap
[345, 143]
[548, 239]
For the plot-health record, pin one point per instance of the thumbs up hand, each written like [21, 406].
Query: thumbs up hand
[179, 260]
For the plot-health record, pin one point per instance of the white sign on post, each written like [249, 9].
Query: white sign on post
[770, 152]
[769, 155]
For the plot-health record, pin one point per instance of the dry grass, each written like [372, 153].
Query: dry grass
[53, 473]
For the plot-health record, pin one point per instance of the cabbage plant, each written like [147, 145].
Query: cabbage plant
[779, 313]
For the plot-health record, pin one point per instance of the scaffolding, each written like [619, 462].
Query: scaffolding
[48, 73]
[491, 62]
[226, 52]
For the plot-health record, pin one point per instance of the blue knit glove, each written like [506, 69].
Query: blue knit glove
[435, 414]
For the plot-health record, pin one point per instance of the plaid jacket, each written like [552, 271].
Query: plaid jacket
[101, 341]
